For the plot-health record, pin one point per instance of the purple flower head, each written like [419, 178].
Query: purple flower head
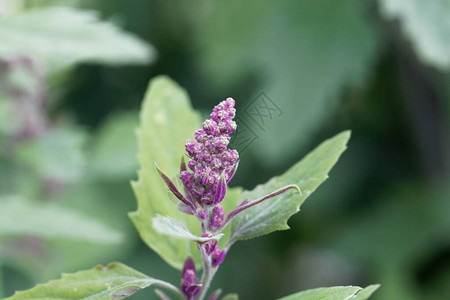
[189, 285]
[212, 163]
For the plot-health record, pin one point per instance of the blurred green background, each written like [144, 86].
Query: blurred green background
[71, 83]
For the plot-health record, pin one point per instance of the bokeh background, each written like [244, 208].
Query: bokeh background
[71, 84]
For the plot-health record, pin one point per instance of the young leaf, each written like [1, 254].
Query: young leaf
[334, 293]
[60, 37]
[115, 281]
[171, 227]
[273, 214]
[166, 121]
[47, 220]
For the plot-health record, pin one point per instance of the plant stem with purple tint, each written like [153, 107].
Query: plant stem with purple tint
[210, 167]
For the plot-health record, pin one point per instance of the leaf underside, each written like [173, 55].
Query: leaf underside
[171, 227]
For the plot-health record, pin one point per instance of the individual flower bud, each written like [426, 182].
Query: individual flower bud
[193, 148]
[217, 217]
[217, 256]
[210, 128]
[199, 135]
[226, 126]
[221, 189]
[220, 143]
[189, 285]
[203, 214]
[185, 177]
[209, 246]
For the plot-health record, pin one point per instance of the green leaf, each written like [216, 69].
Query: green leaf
[231, 297]
[304, 50]
[366, 292]
[113, 153]
[426, 24]
[57, 155]
[62, 36]
[115, 281]
[334, 293]
[166, 121]
[273, 214]
[48, 220]
[171, 227]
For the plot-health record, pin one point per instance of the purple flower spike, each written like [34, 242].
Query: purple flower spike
[189, 285]
[212, 163]
[217, 217]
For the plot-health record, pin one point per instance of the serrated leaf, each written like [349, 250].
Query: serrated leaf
[115, 281]
[48, 220]
[334, 293]
[166, 121]
[273, 214]
[171, 227]
[62, 36]
[426, 24]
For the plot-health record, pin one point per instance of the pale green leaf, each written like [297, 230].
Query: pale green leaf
[273, 214]
[334, 293]
[115, 281]
[114, 149]
[58, 154]
[166, 121]
[48, 220]
[171, 227]
[366, 292]
[62, 36]
[426, 24]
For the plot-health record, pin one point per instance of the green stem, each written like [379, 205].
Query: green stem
[208, 273]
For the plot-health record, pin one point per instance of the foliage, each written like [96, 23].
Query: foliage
[115, 281]
[378, 68]
[165, 111]
[425, 24]
[61, 37]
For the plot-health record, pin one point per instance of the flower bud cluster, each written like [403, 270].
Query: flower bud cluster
[212, 163]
